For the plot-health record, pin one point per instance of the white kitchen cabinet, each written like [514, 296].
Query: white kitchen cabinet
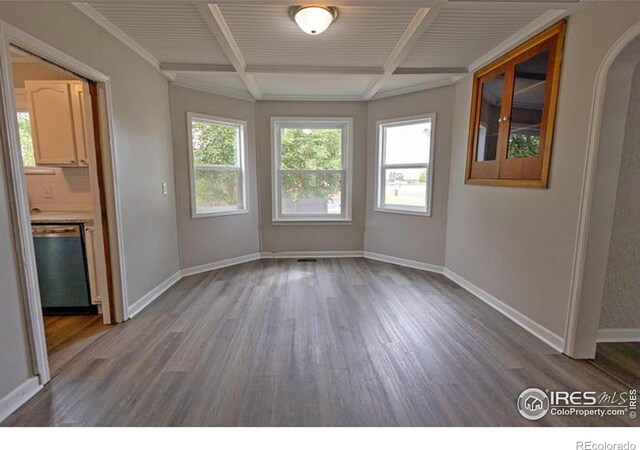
[58, 112]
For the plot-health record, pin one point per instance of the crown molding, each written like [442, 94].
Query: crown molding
[233, 93]
[313, 98]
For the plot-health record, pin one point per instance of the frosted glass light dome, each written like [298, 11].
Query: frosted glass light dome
[314, 19]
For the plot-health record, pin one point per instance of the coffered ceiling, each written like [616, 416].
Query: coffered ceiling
[251, 49]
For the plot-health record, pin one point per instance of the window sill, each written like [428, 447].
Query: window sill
[219, 213]
[403, 211]
[313, 222]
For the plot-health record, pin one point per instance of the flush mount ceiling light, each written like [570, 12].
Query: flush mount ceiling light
[313, 19]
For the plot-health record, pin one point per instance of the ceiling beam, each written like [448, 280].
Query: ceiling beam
[316, 70]
[421, 20]
[249, 69]
[327, 70]
[216, 22]
[189, 67]
[430, 70]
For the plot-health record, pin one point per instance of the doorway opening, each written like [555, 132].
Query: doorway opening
[592, 322]
[55, 110]
[618, 343]
[60, 165]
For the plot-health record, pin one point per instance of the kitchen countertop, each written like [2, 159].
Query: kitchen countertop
[62, 217]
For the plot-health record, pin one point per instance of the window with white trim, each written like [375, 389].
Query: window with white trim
[405, 165]
[311, 169]
[217, 158]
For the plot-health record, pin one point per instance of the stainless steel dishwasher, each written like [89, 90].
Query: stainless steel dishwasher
[62, 269]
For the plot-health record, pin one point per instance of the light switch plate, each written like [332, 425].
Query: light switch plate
[164, 188]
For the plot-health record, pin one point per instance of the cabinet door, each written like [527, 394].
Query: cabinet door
[512, 114]
[81, 111]
[531, 104]
[491, 128]
[52, 125]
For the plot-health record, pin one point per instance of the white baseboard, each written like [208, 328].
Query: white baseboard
[220, 264]
[319, 254]
[153, 294]
[619, 335]
[549, 337]
[404, 262]
[18, 397]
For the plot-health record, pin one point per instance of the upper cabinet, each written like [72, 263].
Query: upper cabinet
[512, 114]
[58, 113]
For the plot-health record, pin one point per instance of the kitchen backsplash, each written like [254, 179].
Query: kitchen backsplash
[67, 189]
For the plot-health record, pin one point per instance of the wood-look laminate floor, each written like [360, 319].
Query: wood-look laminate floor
[621, 361]
[67, 336]
[340, 342]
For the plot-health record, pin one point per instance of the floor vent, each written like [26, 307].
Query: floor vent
[307, 260]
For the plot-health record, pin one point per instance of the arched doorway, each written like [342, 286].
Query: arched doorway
[605, 145]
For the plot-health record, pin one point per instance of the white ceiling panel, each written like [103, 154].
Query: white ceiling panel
[458, 36]
[313, 85]
[172, 32]
[360, 37]
[345, 62]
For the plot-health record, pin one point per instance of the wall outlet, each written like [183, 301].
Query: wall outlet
[164, 188]
[47, 191]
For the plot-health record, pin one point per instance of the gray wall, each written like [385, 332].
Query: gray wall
[518, 244]
[15, 363]
[418, 238]
[324, 237]
[210, 239]
[621, 299]
[142, 131]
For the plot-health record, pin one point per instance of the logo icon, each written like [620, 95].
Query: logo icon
[533, 404]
